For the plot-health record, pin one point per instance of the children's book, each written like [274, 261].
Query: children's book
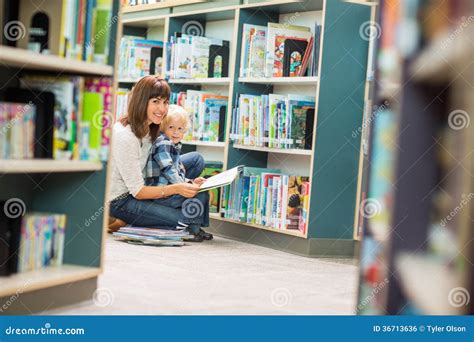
[222, 179]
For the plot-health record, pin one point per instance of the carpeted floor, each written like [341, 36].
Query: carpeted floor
[218, 277]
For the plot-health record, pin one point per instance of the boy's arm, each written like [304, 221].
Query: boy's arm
[164, 159]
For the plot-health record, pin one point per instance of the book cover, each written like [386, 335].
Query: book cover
[295, 201]
[200, 57]
[275, 46]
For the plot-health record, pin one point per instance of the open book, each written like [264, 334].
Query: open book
[222, 179]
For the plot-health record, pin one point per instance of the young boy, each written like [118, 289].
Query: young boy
[166, 168]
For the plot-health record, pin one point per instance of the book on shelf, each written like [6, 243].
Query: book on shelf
[207, 113]
[31, 242]
[140, 57]
[121, 102]
[212, 168]
[74, 29]
[274, 120]
[80, 116]
[278, 50]
[17, 130]
[269, 198]
[194, 57]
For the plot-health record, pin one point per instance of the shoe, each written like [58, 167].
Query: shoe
[205, 236]
[115, 224]
[194, 238]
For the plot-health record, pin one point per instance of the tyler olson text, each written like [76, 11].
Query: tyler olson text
[448, 328]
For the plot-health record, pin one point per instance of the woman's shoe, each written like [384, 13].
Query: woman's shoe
[205, 236]
[194, 238]
[115, 224]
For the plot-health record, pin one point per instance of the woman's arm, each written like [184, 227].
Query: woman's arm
[155, 192]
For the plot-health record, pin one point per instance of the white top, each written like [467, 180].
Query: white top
[129, 156]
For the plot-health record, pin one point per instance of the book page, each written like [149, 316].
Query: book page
[222, 179]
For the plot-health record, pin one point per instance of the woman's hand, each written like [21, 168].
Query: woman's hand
[186, 189]
[199, 180]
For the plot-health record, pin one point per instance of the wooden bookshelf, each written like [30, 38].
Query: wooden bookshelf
[128, 80]
[74, 188]
[436, 62]
[219, 144]
[45, 278]
[159, 5]
[202, 81]
[47, 166]
[310, 80]
[274, 150]
[28, 60]
[432, 300]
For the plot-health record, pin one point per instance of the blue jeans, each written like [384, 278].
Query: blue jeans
[166, 212]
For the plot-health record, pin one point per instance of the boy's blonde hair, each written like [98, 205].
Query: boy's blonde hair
[175, 112]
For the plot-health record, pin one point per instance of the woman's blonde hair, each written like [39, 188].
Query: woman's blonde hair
[147, 88]
[175, 112]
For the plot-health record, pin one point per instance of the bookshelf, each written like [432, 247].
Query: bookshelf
[309, 80]
[293, 151]
[47, 166]
[75, 188]
[422, 230]
[32, 61]
[339, 88]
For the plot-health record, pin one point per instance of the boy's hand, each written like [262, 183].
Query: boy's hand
[199, 180]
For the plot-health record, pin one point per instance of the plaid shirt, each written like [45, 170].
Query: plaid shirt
[163, 165]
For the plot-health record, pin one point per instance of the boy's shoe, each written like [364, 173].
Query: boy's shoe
[115, 224]
[205, 236]
[193, 238]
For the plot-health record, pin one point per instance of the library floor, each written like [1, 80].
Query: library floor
[218, 277]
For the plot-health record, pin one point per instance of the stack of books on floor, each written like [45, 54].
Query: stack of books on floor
[279, 50]
[274, 120]
[31, 242]
[207, 113]
[152, 236]
[269, 198]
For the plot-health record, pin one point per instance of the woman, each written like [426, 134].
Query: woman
[134, 203]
